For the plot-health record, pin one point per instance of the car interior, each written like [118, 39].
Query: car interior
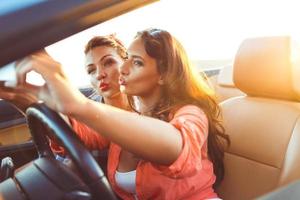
[223, 84]
[259, 95]
[264, 123]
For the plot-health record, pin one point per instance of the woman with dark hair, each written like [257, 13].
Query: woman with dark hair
[171, 149]
[184, 86]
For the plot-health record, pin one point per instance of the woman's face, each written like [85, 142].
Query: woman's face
[102, 65]
[138, 74]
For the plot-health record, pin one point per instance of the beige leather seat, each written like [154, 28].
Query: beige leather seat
[225, 87]
[264, 125]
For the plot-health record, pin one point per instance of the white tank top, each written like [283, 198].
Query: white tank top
[126, 181]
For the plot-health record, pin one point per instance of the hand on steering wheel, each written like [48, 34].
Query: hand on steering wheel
[43, 121]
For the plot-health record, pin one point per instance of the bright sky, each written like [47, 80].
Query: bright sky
[208, 29]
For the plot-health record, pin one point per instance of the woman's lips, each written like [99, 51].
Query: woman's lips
[122, 81]
[104, 86]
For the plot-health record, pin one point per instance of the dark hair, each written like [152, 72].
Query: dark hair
[183, 85]
[110, 41]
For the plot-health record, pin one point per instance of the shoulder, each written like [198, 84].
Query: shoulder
[190, 116]
[190, 110]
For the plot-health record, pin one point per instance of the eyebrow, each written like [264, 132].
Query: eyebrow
[102, 58]
[105, 57]
[137, 56]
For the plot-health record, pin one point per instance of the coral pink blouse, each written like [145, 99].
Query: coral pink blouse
[189, 177]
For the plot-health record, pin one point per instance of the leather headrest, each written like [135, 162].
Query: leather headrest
[268, 67]
[225, 77]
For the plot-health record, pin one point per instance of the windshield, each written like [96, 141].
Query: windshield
[210, 31]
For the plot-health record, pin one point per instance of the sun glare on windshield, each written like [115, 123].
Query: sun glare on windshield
[210, 30]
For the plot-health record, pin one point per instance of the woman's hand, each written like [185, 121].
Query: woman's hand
[18, 97]
[57, 92]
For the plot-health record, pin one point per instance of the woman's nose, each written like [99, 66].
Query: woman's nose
[101, 74]
[124, 69]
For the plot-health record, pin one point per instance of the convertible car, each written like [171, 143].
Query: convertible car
[259, 93]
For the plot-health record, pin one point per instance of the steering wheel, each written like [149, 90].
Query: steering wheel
[42, 122]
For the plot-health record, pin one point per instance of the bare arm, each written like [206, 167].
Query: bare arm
[149, 138]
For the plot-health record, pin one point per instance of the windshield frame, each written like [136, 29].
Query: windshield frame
[25, 33]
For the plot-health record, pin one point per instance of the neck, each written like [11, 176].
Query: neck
[119, 100]
[147, 103]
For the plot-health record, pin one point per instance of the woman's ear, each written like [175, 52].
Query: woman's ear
[160, 81]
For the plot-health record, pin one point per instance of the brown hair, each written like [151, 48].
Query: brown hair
[182, 85]
[110, 41]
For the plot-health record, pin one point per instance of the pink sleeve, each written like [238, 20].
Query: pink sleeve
[90, 138]
[192, 124]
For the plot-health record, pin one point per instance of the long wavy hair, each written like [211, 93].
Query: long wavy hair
[183, 85]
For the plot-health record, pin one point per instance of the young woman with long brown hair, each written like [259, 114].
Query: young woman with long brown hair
[173, 148]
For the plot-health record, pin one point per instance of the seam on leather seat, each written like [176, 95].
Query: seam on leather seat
[294, 126]
[253, 160]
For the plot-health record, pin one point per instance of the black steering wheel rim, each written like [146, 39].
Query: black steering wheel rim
[44, 121]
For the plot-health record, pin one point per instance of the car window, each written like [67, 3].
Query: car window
[210, 31]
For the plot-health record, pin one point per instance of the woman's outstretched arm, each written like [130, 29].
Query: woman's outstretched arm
[149, 138]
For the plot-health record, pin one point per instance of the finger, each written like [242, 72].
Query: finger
[43, 53]
[23, 66]
[47, 60]
[17, 90]
[33, 89]
[49, 69]
[4, 88]
[33, 63]
[29, 93]
[46, 65]
[7, 95]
